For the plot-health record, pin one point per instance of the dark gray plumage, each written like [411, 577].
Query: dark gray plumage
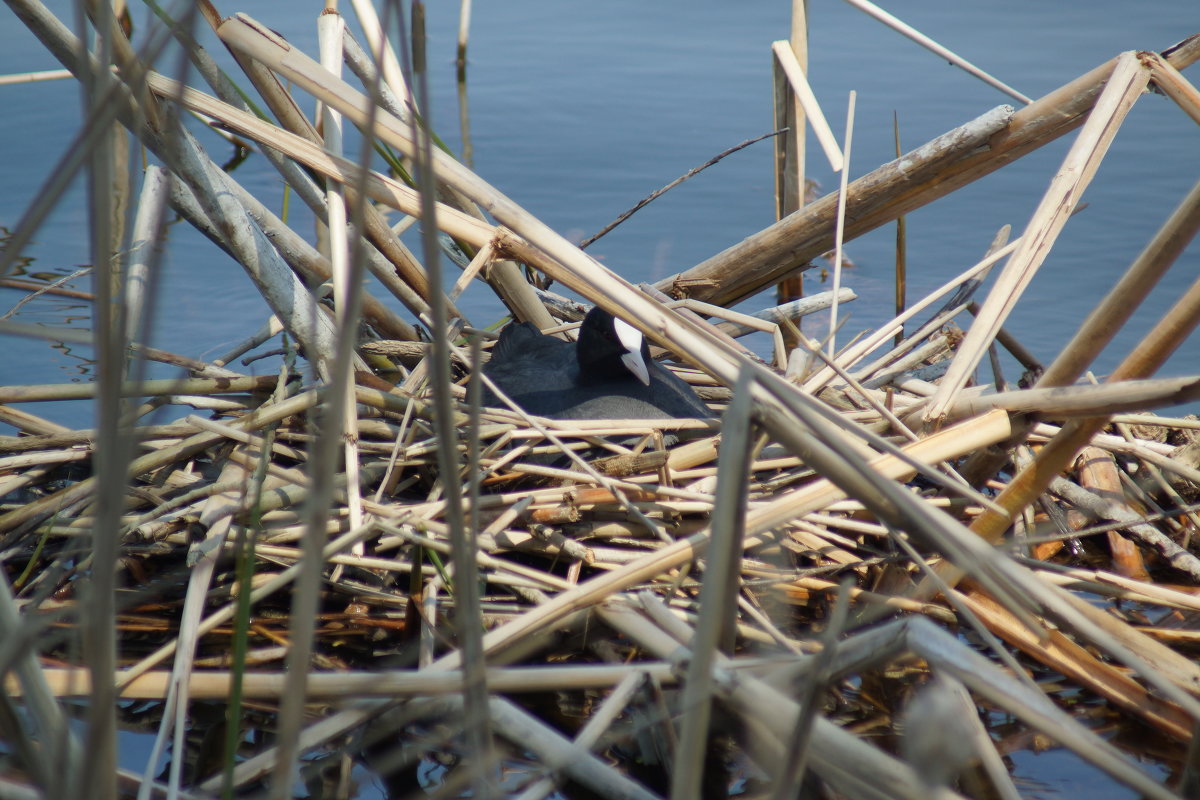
[594, 379]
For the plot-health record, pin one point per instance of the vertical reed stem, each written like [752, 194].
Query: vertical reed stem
[901, 244]
[720, 588]
[467, 614]
[840, 233]
[113, 447]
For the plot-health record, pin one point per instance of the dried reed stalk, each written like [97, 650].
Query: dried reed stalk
[1127, 81]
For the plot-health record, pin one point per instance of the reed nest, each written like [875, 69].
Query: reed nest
[829, 588]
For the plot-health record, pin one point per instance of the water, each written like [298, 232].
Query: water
[579, 110]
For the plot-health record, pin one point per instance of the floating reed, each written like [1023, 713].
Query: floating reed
[446, 579]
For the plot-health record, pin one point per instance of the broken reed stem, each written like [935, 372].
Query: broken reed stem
[1111, 314]
[1127, 81]
[468, 618]
[66, 682]
[901, 244]
[923, 175]
[856, 351]
[787, 61]
[150, 388]
[929, 44]
[840, 230]
[718, 591]
[1145, 359]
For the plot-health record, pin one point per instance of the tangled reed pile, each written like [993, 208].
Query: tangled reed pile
[353, 562]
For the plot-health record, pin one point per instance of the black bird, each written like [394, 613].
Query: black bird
[607, 374]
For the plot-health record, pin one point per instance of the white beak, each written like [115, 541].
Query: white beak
[631, 339]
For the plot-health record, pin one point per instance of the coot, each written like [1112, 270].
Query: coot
[607, 374]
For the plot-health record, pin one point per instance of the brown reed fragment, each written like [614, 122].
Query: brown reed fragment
[1096, 506]
[625, 465]
[1071, 659]
[1098, 474]
[36, 289]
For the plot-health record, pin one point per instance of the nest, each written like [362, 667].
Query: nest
[824, 586]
